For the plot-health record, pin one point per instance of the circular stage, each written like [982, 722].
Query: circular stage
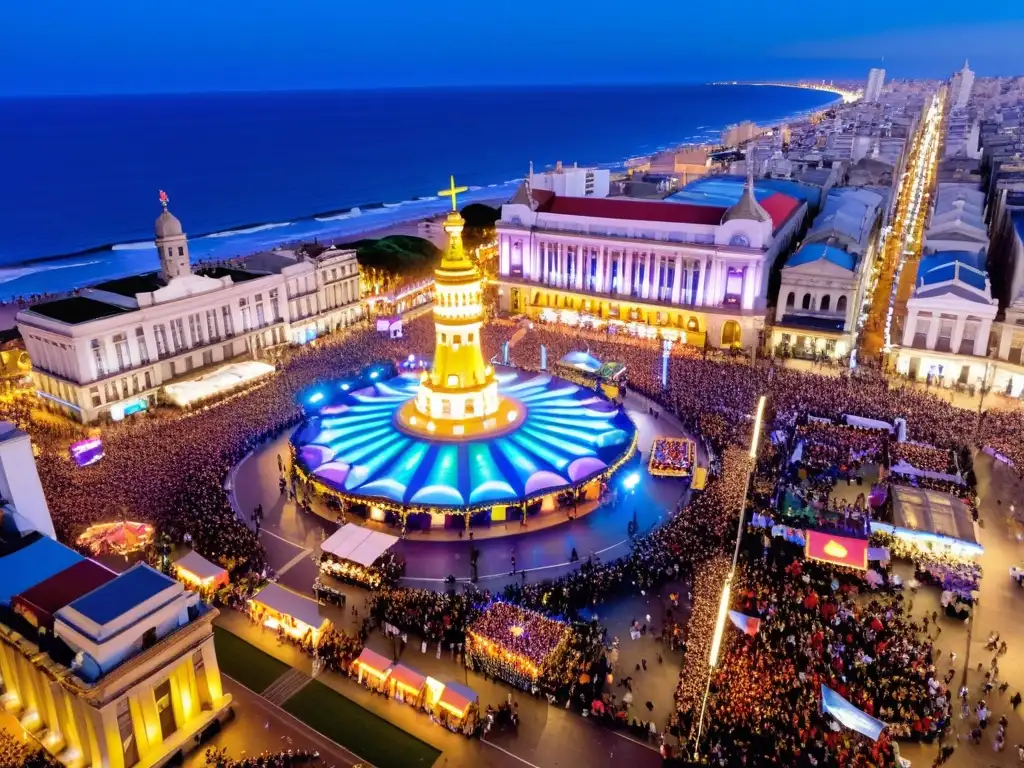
[555, 437]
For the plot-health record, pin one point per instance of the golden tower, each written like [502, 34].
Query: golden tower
[459, 396]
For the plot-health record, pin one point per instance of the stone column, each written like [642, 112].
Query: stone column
[748, 287]
[981, 339]
[702, 268]
[958, 333]
[677, 282]
[910, 329]
[933, 331]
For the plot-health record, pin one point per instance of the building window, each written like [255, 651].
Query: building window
[243, 305]
[178, 334]
[841, 304]
[826, 303]
[446, 407]
[275, 306]
[181, 250]
[140, 341]
[97, 356]
[260, 318]
[208, 357]
[160, 332]
[791, 299]
[740, 240]
[124, 359]
[229, 326]
[227, 351]
[135, 384]
[94, 395]
[195, 329]
[807, 301]
[211, 325]
[148, 379]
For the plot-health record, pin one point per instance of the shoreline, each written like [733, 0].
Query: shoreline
[343, 224]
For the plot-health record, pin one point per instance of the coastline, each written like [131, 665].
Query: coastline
[65, 273]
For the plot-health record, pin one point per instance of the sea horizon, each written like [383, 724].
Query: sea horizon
[292, 197]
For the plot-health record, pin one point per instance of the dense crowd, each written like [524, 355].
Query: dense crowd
[923, 457]
[170, 469]
[17, 754]
[815, 630]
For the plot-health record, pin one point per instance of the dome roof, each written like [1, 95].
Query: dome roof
[167, 225]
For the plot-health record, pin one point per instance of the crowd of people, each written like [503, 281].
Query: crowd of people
[923, 457]
[15, 753]
[170, 468]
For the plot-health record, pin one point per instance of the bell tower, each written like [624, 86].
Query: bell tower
[171, 243]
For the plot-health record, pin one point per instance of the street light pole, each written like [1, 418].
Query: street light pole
[723, 605]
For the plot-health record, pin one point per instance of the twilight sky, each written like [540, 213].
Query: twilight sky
[128, 46]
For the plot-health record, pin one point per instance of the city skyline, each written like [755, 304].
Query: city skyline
[121, 48]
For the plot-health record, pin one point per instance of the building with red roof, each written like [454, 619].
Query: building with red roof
[39, 603]
[692, 270]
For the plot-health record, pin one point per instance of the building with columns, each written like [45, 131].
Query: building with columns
[676, 269]
[949, 320]
[105, 670]
[824, 282]
[110, 349]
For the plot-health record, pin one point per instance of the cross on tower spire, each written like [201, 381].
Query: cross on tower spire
[452, 192]
[164, 199]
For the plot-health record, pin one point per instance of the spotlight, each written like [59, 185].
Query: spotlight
[316, 397]
[631, 481]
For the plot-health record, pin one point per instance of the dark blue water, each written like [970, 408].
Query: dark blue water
[82, 174]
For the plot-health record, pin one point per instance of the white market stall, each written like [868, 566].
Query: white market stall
[224, 379]
[297, 616]
[352, 553]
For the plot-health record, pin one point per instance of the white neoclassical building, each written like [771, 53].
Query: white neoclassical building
[957, 221]
[949, 320]
[679, 270]
[824, 282]
[110, 349]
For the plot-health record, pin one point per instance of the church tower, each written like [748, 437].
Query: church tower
[461, 385]
[171, 244]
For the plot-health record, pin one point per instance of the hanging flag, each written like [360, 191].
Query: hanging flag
[746, 624]
[847, 714]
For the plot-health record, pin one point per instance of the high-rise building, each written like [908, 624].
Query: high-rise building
[960, 88]
[876, 79]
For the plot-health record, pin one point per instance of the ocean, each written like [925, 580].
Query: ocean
[246, 171]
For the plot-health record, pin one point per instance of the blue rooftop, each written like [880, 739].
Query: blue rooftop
[811, 252]
[1018, 223]
[941, 267]
[582, 360]
[33, 564]
[119, 596]
[717, 191]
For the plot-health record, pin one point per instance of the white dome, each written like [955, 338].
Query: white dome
[167, 225]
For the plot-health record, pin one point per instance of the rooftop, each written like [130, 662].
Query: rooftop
[965, 267]
[236, 275]
[133, 284]
[811, 252]
[33, 563]
[50, 595]
[632, 210]
[117, 597]
[77, 309]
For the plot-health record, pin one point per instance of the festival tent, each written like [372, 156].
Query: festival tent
[407, 683]
[196, 570]
[295, 613]
[925, 517]
[357, 544]
[457, 699]
[373, 663]
[224, 379]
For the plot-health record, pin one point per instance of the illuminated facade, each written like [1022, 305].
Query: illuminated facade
[117, 675]
[682, 268]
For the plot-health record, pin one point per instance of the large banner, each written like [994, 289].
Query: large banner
[837, 550]
[847, 714]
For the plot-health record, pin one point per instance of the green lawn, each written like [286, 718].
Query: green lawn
[245, 663]
[373, 739]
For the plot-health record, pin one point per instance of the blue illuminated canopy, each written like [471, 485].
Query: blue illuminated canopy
[567, 435]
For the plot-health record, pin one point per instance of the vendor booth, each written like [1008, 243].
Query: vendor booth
[931, 520]
[455, 706]
[357, 555]
[372, 669]
[227, 378]
[406, 684]
[199, 573]
[281, 610]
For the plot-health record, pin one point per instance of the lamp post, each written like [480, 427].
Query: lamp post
[723, 605]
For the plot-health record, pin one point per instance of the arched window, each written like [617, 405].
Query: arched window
[731, 333]
[807, 301]
[826, 303]
[691, 324]
[791, 299]
[446, 407]
[841, 304]
[740, 240]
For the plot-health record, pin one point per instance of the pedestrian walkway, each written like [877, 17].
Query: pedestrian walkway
[286, 686]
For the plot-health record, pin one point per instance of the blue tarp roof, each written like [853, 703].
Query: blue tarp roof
[941, 267]
[583, 360]
[119, 596]
[718, 191]
[811, 252]
[33, 564]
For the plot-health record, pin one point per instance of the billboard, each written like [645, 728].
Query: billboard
[837, 550]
